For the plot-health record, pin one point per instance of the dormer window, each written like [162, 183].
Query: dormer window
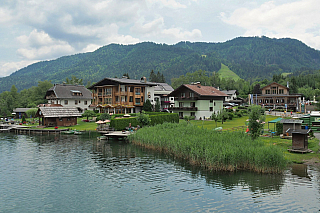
[76, 93]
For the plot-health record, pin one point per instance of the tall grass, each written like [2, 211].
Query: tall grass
[211, 149]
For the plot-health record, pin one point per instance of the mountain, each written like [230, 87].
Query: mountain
[249, 57]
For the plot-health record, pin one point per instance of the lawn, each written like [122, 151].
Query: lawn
[225, 72]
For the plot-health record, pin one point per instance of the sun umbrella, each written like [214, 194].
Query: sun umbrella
[100, 122]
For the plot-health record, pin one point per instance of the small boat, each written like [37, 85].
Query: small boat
[69, 132]
[78, 132]
[102, 137]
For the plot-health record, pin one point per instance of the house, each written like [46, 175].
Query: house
[161, 92]
[58, 116]
[19, 112]
[197, 100]
[293, 124]
[122, 95]
[231, 95]
[276, 96]
[69, 96]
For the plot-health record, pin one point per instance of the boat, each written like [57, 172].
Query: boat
[69, 132]
[78, 132]
[102, 137]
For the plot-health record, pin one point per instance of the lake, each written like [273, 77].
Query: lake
[77, 173]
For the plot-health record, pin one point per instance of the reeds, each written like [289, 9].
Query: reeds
[220, 151]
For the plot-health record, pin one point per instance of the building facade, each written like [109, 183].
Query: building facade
[121, 95]
[197, 100]
[68, 95]
[276, 96]
[161, 92]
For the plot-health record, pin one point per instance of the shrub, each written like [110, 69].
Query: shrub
[279, 128]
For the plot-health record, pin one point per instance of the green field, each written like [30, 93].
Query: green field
[225, 72]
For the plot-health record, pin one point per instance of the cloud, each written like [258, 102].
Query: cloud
[8, 68]
[40, 46]
[299, 19]
[168, 3]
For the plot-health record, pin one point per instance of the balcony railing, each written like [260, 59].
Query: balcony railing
[184, 108]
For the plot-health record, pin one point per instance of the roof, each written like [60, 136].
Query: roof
[115, 81]
[274, 83]
[55, 112]
[315, 113]
[203, 90]
[229, 92]
[275, 120]
[163, 87]
[291, 121]
[22, 109]
[65, 91]
[298, 131]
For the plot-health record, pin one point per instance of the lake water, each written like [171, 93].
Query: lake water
[76, 173]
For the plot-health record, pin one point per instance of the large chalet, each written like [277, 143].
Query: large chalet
[121, 95]
[276, 96]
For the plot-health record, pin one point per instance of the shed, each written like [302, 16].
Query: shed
[19, 112]
[58, 116]
[290, 124]
[299, 140]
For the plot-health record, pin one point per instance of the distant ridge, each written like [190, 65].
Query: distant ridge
[253, 58]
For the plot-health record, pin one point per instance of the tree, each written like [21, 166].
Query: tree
[147, 106]
[88, 113]
[105, 116]
[215, 117]
[256, 119]
[74, 80]
[144, 119]
[157, 106]
[31, 112]
[223, 115]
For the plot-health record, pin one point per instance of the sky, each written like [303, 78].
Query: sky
[39, 30]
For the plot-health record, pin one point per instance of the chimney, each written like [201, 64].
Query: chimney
[143, 80]
[288, 84]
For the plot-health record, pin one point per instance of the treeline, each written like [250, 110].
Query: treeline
[252, 58]
[27, 98]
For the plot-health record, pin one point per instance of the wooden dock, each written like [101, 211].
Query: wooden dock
[118, 134]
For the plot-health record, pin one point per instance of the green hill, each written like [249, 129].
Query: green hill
[225, 72]
[253, 58]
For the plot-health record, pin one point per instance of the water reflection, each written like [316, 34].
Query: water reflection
[78, 173]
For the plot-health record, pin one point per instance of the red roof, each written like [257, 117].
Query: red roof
[205, 90]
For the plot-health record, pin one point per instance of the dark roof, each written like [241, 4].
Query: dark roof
[298, 131]
[291, 121]
[66, 90]
[163, 87]
[116, 81]
[55, 112]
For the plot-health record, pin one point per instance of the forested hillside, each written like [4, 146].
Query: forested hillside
[251, 58]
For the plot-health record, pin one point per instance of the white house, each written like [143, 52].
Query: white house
[161, 92]
[70, 96]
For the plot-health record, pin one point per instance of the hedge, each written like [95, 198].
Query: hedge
[156, 118]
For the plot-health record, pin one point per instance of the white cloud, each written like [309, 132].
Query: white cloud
[40, 46]
[167, 3]
[299, 19]
[8, 68]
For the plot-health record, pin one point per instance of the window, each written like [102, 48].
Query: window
[131, 99]
[126, 98]
[183, 95]
[181, 114]
[193, 114]
[131, 89]
[76, 102]
[117, 98]
[267, 91]
[192, 104]
[191, 94]
[137, 91]
[138, 101]
[281, 91]
[211, 109]
[108, 91]
[211, 101]
[66, 102]
[85, 102]
[181, 104]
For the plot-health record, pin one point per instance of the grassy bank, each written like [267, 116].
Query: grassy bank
[210, 149]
